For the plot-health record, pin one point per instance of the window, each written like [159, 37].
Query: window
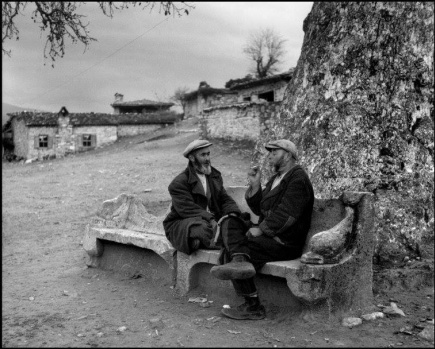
[268, 96]
[43, 141]
[247, 99]
[87, 141]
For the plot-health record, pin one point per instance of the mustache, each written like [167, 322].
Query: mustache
[207, 162]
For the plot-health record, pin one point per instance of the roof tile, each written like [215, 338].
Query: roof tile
[96, 119]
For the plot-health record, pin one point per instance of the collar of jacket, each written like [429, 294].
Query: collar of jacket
[193, 179]
[284, 181]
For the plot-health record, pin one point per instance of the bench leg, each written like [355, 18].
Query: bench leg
[185, 281]
[93, 247]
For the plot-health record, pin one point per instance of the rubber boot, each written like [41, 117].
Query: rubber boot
[238, 268]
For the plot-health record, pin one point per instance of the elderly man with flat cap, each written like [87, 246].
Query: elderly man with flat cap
[199, 201]
[284, 208]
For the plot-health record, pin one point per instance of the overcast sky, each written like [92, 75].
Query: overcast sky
[205, 45]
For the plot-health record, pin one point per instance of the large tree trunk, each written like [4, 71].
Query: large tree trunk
[360, 109]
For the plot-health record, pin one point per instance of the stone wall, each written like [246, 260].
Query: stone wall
[195, 106]
[105, 134]
[20, 138]
[133, 130]
[33, 132]
[65, 139]
[244, 121]
[191, 109]
[220, 99]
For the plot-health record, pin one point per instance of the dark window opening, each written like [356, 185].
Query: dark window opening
[246, 99]
[87, 140]
[268, 96]
[43, 141]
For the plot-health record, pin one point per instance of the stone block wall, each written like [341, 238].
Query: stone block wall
[65, 138]
[65, 141]
[220, 100]
[133, 130]
[20, 138]
[244, 121]
[191, 109]
[105, 134]
[195, 106]
[39, 153]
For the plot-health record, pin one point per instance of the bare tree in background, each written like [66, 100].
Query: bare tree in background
[179, 96]
[266, 49]
[62, 20]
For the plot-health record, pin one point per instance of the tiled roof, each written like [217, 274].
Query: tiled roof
[264, 81]
[141, 103]
[96, 119]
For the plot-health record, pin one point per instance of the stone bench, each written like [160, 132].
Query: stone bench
[123, 236]
[335, 271]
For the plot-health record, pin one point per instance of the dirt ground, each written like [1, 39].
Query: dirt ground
[51, 299]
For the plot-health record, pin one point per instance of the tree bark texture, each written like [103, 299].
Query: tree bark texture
[360, 109]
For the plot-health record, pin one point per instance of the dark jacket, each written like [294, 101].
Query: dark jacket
[189, 205]
[286, 210]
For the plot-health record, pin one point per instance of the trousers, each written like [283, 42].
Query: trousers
[259, 250]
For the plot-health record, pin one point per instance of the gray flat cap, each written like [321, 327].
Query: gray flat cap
[283, 144]
[196, 144]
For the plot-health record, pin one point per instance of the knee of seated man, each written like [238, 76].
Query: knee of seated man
[235, 223]
[201, 231]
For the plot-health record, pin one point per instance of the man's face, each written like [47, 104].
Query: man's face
[277, 158]
[201, 160]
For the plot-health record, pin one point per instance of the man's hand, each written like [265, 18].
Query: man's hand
[254, 232]
[214, 225]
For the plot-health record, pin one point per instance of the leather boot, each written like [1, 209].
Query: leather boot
[252, 309]
[238, 268]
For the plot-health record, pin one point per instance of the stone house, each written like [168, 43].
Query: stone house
[258, 102]
[143, 106]
[49, 135]
[205, 97]
[270, 88]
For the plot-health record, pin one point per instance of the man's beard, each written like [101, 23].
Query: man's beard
[278, 164]
[202, 168]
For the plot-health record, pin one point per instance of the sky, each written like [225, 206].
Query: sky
[143, 54]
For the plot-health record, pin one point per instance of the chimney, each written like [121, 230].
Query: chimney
[63, 111]
[118, 97]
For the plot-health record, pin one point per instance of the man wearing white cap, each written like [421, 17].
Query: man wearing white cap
[199, 200]
[284, 208]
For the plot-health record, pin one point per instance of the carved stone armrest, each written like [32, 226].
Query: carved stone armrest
[330, 246]
[327, 247]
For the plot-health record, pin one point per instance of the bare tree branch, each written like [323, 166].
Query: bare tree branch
[179, 96]
[61, 20]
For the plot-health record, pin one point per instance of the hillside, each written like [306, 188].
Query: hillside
[10, 108]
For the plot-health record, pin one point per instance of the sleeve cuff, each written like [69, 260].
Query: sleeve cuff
[266, 230]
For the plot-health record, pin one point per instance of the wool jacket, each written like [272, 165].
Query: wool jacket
[189, 205]
[286, 210]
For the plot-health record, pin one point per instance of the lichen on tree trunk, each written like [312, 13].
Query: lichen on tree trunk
[360, 109]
